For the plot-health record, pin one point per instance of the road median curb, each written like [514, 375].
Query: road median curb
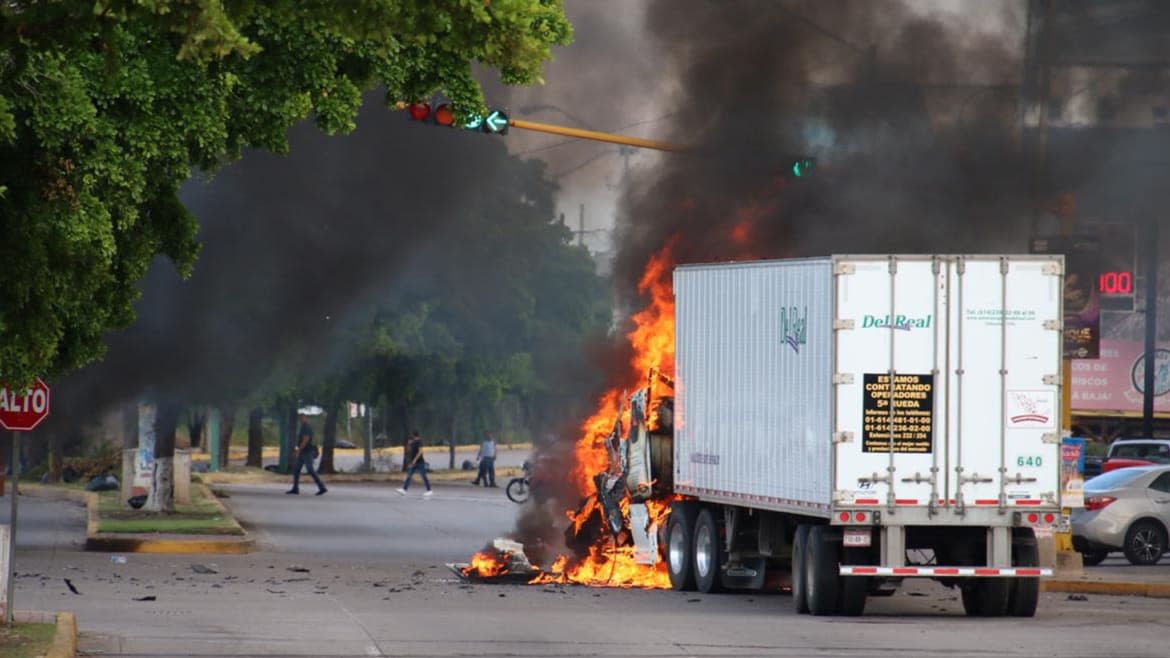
[65, 638]
[109, 542]
[1110, 588]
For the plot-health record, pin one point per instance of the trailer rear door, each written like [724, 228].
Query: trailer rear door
[940, 402]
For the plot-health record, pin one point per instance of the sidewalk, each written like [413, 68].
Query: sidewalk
[1115, 577]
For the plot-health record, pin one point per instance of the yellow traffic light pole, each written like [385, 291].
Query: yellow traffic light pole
[596, 136]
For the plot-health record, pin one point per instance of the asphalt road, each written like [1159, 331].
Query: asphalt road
[359, 572]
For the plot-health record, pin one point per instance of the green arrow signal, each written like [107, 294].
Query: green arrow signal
[496, 122]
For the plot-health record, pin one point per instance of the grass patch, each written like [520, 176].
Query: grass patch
[26, 640]
[202, 516]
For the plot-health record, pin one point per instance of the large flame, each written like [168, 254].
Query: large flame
[652, 341]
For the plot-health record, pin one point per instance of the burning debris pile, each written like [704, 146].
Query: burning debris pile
[503, 558]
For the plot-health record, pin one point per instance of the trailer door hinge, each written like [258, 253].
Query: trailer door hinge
[1050, 437]
[843, 378]
[844, 268]
[1053, 269]
[1052, 380]
[843, 437]
[1053, 325]
[839, 325]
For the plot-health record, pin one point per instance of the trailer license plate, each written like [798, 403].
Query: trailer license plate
[857, 537]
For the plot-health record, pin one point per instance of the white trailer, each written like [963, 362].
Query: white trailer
[865, 419]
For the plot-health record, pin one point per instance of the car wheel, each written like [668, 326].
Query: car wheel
[708, 553]
[799, 553]
[1145, 542]
[679, 560]
[1093, 558]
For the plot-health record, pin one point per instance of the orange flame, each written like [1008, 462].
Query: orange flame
[652, 340]
[486, 564]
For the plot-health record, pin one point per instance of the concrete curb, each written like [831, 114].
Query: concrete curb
[1110, 588]
[65, 639]
[171, 544]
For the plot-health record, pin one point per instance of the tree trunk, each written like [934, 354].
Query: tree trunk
[165, 423]
[196, 422]
[406, 429]
[130, 425]
[56, 456]
[255, 438]
[292, 427]
[329, 440]
[451, 448]
[227, 415]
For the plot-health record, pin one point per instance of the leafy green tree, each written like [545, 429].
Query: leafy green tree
[107, 106]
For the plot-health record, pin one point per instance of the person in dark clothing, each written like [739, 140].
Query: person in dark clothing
[303, 455]
[487, 461]
[416, 464]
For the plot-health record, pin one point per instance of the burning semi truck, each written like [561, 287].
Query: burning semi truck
[837, 424]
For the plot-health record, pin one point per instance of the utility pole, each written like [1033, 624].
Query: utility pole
[1150, 258]
[581, 227]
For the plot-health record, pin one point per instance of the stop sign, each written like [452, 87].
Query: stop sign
[22, 411]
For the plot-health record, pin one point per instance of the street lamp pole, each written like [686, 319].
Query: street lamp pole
[1151, 361]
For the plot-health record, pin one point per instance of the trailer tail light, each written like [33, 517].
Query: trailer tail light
[1094, 503]
[858, 517]
[1033, 518]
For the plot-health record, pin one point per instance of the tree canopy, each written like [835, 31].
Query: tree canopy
[107, 107]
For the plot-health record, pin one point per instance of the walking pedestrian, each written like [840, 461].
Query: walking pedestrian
[487, 461]
[417, 464]
[303, 455]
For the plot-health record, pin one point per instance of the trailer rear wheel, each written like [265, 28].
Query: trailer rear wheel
[822, 578]
[986, 597]
[854, 589]
[679, 541]
[708, 553]
[799, 555]
[1025, 592]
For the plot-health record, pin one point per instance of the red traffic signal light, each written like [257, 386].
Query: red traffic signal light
[444, 115]
[419, 111]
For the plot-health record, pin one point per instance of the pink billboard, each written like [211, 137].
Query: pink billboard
[1113, 383]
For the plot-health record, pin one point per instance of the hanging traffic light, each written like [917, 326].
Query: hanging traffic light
[801, 166]
[419, 111]
[495, 122]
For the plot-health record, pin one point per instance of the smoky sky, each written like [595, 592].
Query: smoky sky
[857, 84]
[298, 250]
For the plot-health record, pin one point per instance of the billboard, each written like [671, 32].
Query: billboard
[1082, 303]
[1113, 382]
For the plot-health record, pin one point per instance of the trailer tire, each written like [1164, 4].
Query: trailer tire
[854, 589]
[799, 555]
[986, 597]
[1025, 592]
[679, 542]
[822, 580]
[708, 553]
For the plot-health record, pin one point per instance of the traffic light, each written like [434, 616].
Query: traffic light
[800, 166]
[495, 123]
